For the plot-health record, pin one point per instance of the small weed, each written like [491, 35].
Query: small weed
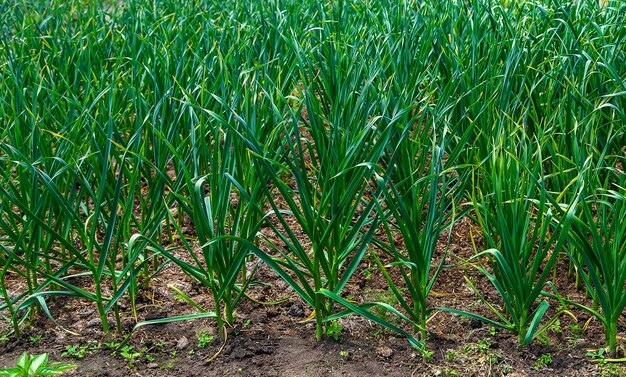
[131, 355]
[577, 331]
[94, 345]
[334, 330]
[571, 343]
[597, 355]
[76, 351]
[113, 346]
[544, 339]
[427, 355]
[204, 339]
[161, 346]
[367, 273]
[343, 354]
[483, 344]
[543, 361]
[482, 348]
[451, 355]
[34, 338]
[127, 352]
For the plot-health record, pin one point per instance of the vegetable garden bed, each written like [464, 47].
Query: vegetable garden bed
[313, 188]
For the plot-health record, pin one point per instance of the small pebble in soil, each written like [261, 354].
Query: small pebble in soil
[86, 313]
[384, 352]
[60, 335]
[182, 343]
[296, 310]
[580, 342]
[95, 322]
[152, 365]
